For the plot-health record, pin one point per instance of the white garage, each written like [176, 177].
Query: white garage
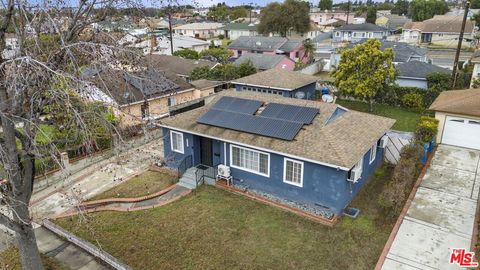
[458, 113]
[462, 132]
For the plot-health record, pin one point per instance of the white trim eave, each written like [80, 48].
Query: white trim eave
[260, 148]
[264, 86]
[159, 97]
[411, 78]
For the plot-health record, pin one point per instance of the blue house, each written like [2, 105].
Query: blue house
[304, 153]
[358, 32]
[279, 82]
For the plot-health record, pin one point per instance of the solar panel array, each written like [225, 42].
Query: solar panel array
[293, 113]
[240, 105]
[265, 126]
[279, 121]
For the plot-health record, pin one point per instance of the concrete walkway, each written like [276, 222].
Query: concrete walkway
[442, 213]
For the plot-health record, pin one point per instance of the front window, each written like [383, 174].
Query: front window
[250, 160]
[172, 101]
[373, 153]
[144, 110]
[176, 140]
[293, 172]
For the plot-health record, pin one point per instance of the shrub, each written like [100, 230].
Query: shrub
[412, 100]
[187, 53]
[426, 129]
[221, 36]
[395, 192]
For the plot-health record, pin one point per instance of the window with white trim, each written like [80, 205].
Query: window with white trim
[373, 153]
[293, 172]
[249, 160]
[176, 141]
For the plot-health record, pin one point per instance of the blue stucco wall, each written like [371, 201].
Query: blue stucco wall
[322, 185]
[309, 90]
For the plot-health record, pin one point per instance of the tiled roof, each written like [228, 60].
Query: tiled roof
[465, 102]
[403, 51]
[175, 64]
[277, 78]
[340, 143]
[417, 69]
[261, 61]
[240, 26]
[290, 45]
[441, 24]
[203, 83]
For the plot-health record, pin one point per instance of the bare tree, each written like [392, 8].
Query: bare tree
[42, 84]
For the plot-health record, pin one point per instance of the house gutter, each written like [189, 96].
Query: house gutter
[259, 148]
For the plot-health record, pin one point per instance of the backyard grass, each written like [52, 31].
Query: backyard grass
[144, 184]
[10, 260]
[406, 119]
[215, 229]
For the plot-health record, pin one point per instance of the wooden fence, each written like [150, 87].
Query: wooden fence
[396, 141]
[88, 247]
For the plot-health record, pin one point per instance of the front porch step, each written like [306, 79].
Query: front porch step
[188, 179]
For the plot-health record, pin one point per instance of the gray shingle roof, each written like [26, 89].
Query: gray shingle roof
[466, 102]
[257, 43]
[361, 27]
[175, 64]
[240, 26]
[334, 143]
[417, 69]
[277, 78]
[290, 45]
[261, 61]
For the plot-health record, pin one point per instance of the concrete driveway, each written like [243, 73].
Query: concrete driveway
[442, 214]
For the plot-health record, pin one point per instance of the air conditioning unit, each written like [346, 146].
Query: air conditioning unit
[383, 142]
[223, 171]
[354, 176]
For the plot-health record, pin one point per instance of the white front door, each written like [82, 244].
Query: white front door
[462, 132]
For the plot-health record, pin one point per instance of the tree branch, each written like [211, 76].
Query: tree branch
[9, 223]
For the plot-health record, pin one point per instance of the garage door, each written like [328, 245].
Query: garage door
[462, 132]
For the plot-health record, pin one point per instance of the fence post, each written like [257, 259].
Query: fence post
[65, 160]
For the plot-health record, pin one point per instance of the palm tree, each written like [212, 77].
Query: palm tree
[309, 49]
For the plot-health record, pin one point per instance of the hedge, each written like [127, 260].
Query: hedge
[409, 97]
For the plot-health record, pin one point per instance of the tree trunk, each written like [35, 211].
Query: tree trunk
[26, 240]
[370, 105]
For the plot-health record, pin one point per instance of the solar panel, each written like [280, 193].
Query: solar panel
[275, 128]
[293, 113]
[240, 105]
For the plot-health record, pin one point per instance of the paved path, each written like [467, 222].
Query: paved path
[442, 213]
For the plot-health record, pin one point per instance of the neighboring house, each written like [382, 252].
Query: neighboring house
[208, 87]
[415, 73]
[403, 52]
[458, 112]
[180, 43]
[293, 48]
[392, 22]
[203, 30]
[323, 17]
[357, 32]
[318, 159]
[331, 24]
[177, 65]
[128, 39]
[142, 95]
[475, 60]
[440, 30]
[267, 61]
[279, 82]
[233, 31]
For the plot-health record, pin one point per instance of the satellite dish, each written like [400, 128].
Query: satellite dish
[300, 95]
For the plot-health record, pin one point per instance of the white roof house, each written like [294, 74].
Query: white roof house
[199, 30]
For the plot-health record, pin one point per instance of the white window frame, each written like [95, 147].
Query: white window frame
[182, 150]
[285, 160]
[246, 169]
[373, 153]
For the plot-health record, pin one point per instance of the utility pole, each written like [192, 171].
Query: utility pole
[170, 30]
[348, 10]
[459, 47]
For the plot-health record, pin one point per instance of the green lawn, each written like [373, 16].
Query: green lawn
[144, 184]
[10, 260]
[406, 119]
[215, 229]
